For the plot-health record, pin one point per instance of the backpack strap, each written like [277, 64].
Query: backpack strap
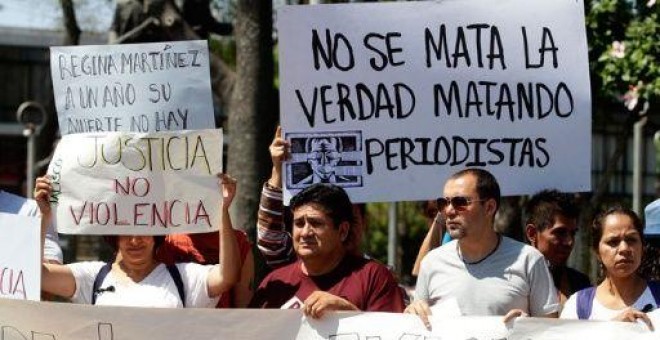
[176, 276]
[174, 272]
[654, 286]
[98, 280]
[585, 301]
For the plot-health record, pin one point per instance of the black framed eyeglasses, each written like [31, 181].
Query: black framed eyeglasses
[458, 202]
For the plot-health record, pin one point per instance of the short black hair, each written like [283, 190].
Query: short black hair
[332, 199]
[545, 205]
[597, 226]
[487, 186]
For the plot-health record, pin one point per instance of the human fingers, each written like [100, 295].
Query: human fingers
[317, 309]
[645, 318]
[226, 179]
[317, 303]
[422, 310]
[279, 147]
[514, 313]
[632, 315]
[42, 191]
[42, 183]
[227, 184]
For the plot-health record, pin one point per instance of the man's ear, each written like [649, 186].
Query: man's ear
[531, 232]
[344, 229]
[491, 206]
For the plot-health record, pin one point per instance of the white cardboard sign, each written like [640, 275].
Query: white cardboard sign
[20, 257]
[33, 320]
[134, 87]
[131, 183]
[389, 99]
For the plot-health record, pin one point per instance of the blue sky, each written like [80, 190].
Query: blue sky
[94, 15]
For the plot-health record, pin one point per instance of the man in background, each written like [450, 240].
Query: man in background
[551, 225]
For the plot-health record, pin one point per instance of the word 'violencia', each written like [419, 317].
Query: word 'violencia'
[166, 214]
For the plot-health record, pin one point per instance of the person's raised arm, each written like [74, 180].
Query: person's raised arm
[431, 241]
[245, 286]
[55, 278]
[279, 152]
[225, 275]
[274, 243]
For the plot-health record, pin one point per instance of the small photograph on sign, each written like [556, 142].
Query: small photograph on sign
[325, 157]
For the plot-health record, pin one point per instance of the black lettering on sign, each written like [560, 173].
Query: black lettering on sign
[373, 42]
[465, 49]
[399, 153]
[342, 102]
[503, 101]
[547, 46]
[330, 51]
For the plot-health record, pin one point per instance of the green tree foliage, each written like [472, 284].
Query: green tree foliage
[411, 229]
[623, 51]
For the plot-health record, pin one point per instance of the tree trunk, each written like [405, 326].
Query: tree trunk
[70, 23]
[253, 108]
[174, 28]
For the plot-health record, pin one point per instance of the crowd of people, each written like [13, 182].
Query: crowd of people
[312, 247]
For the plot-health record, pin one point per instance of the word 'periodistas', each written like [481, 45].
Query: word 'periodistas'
[400, 153]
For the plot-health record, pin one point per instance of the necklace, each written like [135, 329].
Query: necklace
[458, 249]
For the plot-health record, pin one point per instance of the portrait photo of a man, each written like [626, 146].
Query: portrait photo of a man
[327, 157]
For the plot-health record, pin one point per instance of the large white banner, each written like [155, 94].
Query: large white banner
[389, 99]
[21, 320]
[132, 183]
[135, 87]
[20, 258]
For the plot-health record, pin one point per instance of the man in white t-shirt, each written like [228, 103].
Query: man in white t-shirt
[13, 204]
[487, 274]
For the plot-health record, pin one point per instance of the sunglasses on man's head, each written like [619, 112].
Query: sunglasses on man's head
[458, 202]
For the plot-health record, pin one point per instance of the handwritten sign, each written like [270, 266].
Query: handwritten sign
[130, 183]
[34, 320]
[20, 257]
[389, 99]
[135, 87]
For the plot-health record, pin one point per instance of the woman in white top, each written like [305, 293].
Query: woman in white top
[617, 239]
[136, 278]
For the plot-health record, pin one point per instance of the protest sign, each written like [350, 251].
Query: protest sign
[33, 320]
[138, 184]
[388, 99]
[537, 328]
[20, 257]
[135, 87]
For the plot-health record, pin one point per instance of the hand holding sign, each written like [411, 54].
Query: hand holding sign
[42, 192]
[228, 184]
[144, 184]
[279, 152]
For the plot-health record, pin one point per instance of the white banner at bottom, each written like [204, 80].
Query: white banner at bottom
[27, 320]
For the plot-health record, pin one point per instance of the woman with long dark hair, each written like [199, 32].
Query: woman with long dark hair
[623, 295]
[136, 277]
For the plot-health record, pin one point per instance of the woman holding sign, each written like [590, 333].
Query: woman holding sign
[136, 278]
[618, 240]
